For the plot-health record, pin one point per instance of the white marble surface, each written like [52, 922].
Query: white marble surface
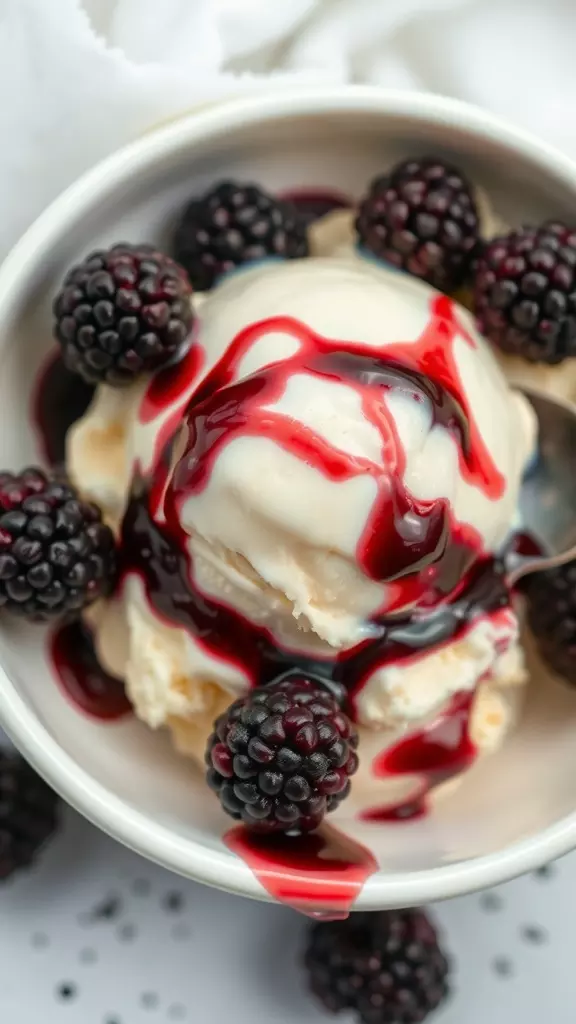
[96, 935]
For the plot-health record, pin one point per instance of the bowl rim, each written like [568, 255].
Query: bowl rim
[155, 841]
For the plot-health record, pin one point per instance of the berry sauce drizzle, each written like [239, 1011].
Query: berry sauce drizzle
[81, 676]
[313, 203]
[59, 399]
[320, 875]
[434, 754]
[150, 551]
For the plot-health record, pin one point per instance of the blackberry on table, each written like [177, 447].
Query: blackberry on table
[422, 218]
[234, 224]
[525, 292]
[28, 813]
[387, 967]
[122, 312]
[281, 757]
[551, 597]
[56, 554]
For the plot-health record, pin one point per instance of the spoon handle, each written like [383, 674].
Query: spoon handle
[518, 565]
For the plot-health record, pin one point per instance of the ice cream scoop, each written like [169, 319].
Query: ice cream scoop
[372, 398]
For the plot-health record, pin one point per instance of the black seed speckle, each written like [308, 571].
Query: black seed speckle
[141, 887]
[173, 902]
[502, 966]
[545, 873]
[149, 1000]
[491, 902]
[66, 991]
[177, 1012]
[534, 934]
[107, 909]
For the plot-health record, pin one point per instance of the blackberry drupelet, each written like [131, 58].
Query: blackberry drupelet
[233, 224]
[422, 218]
[387, 966]
[551, 597]
[122, 312]
[281, 757]
[56, 554]
[525, 292]
[28, 813]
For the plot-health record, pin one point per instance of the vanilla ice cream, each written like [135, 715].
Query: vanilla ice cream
[326, 478]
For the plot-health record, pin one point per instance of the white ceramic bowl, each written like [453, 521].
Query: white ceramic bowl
[515, 810]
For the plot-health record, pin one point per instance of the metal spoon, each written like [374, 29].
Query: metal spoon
[547, 505]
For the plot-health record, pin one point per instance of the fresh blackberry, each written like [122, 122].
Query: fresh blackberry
[525, 292]
[281, 757]
[551, 597]
[122, 312]
[28, 813]
[233, 224]
[387, 966]
[56, 554]
[422, 217]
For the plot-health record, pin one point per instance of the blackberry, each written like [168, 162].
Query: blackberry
[525, 292]
[281, 757]
[56, 554]
[385, 966]
[422, 218]
[122, 312]
[551, 597]
[28, 813]
[234, 224]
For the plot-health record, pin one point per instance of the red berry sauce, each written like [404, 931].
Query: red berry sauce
[320, 875]
[81, 676]
[313, 203]
[434, 754]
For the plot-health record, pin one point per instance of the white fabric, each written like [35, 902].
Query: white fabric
[80, 77]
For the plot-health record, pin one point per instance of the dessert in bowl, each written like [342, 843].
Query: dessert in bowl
[292, 466]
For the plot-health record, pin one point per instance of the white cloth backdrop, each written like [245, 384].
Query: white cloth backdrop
[80, 77]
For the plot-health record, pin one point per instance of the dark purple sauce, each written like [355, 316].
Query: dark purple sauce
[81, 676]
[60, 398]
[313, 203]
